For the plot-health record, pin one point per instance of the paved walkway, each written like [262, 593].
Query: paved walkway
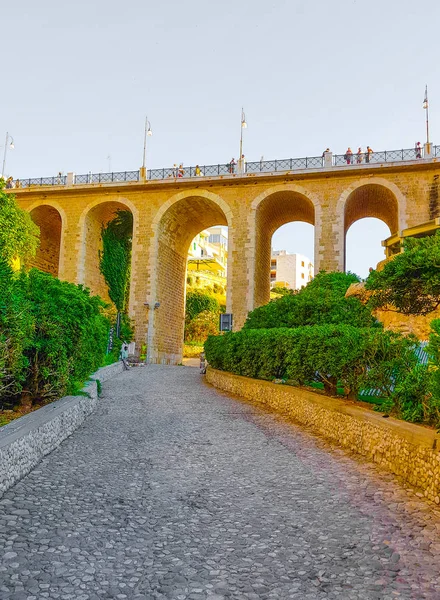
[172, 490]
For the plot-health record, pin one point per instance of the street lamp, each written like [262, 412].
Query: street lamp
[147, 133]
[243, 126]
[425, 106]
[9, 140]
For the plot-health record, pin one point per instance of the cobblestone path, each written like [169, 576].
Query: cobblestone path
[172, 490]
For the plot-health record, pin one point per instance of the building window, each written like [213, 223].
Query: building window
[302, 275]
[302, 263]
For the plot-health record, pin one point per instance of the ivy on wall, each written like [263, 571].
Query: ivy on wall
[115, 257]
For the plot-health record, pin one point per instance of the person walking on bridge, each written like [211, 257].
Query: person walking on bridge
[359, 156]
[348, 156]
[368, 154]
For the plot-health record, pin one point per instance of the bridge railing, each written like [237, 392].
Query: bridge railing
[59, 180]
[262, 166]
[107, 177]
[377, 157]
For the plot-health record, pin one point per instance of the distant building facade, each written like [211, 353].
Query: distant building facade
[208, 257]
[293, 271]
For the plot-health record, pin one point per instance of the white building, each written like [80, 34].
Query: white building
[290, 270]
[208, 256]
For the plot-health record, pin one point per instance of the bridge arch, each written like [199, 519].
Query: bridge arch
[93, 218]
[375, 198]
[174, 226]
[270, 210]
[50, 217]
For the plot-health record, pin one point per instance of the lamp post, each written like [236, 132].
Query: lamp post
[147, 133]
[9, 140]
[243, 126]
[425, 106]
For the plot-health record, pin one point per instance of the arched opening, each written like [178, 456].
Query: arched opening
[178, 227]
[294, 268]
[371, 214]
[49, 221]
[363, 245]
[95, 220]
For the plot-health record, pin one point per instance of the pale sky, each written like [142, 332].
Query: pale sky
[79, 79]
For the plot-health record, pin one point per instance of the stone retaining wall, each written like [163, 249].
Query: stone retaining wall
[25, 441]
[408, 450]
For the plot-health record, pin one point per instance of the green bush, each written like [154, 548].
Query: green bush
[410, 283]
[16, 331]
[19, 236]
[115, 258]
[334, 355]
[204, 324]
[321, 302]
[70, 335]
[413, 399]
[197, 302]
[53, 335]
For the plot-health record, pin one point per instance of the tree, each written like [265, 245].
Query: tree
[198, 301]
[410, 282]
[16, 332]
[19, 236]
[69, 337]
[283, 291]
[201, 317]
[115, 258]
[321, 302]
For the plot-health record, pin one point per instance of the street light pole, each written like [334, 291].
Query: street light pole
[426, 107]
[243, 126]
[11, 145]
[148, 133]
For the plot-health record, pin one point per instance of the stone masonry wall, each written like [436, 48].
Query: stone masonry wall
[408, 450]
[25, 441]
[167, 212]
[48, 253]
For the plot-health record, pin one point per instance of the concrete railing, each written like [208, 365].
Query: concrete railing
[25, 441]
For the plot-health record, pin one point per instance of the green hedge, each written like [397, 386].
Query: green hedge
[53, 335]
[334, 355]
[320, 302]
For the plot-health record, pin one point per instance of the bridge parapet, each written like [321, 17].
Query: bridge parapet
[267, 167]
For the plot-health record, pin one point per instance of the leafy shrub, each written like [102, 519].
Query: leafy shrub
[334, 355]
[70, 334]
[197, 302]
[115, 258]
[203, 324]
[410, 282]
[413, 400]
[19, 236]
[321, 302]
[16, 331]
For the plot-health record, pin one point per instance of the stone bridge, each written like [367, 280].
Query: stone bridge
[168, 214]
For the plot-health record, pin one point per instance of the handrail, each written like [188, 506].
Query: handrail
[327, 160]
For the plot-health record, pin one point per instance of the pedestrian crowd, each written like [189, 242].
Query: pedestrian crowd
[359, 157]
[10, 183]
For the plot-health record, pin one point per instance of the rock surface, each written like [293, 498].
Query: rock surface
[172, 490]
[394, 321]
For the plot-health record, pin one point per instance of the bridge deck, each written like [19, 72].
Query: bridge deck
[172, 490]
